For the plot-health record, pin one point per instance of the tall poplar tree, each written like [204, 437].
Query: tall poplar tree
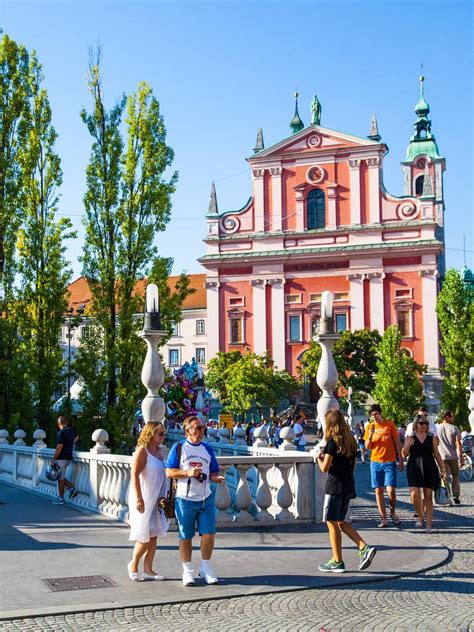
[455, 309]
[43, 270]
[14, 122]
[127, 202]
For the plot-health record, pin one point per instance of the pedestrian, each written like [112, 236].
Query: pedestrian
[422, 472]
[299, 438]
[338, 460]
[381, 438]
[402, 430]
[450, 449]
[193, 463]
[62, 457]
[148, 484]
[359, 435]
[432, 427]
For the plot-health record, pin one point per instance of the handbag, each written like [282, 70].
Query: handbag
[166, 503]
[441, 495]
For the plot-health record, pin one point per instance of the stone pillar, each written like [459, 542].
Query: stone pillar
[213, 318]
[19, 437]
[354, 174]
[377, 316]
[277, 209]
[259, 319]
[429, 292]
[259, 199]
[357, 300]
[374, 189]
[39, 436]
[99, 437]
[278, 322]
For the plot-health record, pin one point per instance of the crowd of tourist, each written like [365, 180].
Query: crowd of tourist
[431, 452]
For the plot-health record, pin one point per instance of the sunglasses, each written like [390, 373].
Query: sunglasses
[160, 434]
[422, 423]
[196, 428]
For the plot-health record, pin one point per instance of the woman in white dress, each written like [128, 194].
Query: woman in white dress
[148, 483]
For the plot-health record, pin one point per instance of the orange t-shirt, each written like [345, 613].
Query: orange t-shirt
[383, 441]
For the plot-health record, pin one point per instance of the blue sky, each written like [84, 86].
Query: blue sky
[222, 69]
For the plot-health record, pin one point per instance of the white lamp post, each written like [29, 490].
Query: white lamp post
[200, 388]
[327, 375]
[153, 406]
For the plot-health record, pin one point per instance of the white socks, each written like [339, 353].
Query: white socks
[188, 566]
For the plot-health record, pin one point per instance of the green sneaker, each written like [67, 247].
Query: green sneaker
[333, 567]
[366, 555]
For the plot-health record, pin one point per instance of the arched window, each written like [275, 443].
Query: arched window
[315, 209]
[419, 186]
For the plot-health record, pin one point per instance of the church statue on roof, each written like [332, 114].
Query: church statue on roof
[315, 111]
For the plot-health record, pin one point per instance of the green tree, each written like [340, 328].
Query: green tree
[14, 122]
[43, 269]
[217, 373]
[355, 358]
[127, 202]
[397, 381]
[455, 309]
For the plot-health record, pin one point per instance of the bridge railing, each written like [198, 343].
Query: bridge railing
[262, 484]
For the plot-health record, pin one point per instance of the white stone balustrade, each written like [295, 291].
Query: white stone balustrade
[262, 484]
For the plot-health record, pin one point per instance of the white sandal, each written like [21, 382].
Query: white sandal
[153, 578]
[132, 574]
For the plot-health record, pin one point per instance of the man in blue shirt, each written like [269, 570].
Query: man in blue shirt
[62, 457]
[193, 463]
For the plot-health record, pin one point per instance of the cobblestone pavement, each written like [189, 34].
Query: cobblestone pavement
[438, 600]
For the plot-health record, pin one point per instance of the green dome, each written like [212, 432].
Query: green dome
[425, 147]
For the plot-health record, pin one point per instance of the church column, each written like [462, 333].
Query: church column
[299, 210]
[354, 173]
[374, 189]
[332, 207]
[356, 290]
[259, 199]
[377, 319]
[429, 293]
[259, 316]
[276, 173]
[278, 322]
[213, 318]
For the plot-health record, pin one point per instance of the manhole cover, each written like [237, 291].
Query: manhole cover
[58, 584]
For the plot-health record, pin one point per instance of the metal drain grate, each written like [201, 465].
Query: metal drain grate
[58, 584]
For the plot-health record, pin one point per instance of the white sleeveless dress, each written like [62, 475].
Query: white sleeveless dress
[152, 522]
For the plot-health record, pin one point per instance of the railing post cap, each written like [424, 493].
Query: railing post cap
[100, 435]
[4, 434]
[39, 434]
[260, 432]
[287, 433]
[19, 434]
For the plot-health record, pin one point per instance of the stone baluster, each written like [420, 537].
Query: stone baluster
[223, 500]
[118, 490]
[19, 437]
[471, 398]
[39, 436]
[100, 437]
[103, 486]
[260, 437]
[240, 437]
[287, 437]
[211, 435]
[4, 437]
[243, 498]
[264, 494]
[284, 495]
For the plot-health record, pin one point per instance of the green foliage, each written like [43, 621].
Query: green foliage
[455, 309]
[355, 359]
[126, 203]
[245, 380]
[398, 387]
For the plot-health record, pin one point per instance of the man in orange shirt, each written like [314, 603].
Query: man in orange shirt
[381, 438]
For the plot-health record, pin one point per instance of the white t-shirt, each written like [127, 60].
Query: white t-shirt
[432, 429]
[200, 455]
[297, 429]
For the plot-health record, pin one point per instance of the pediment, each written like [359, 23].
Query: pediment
[312, 139]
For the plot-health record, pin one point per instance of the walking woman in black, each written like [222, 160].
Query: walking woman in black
[422, 472]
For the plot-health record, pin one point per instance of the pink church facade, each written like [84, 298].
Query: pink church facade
[320, 219]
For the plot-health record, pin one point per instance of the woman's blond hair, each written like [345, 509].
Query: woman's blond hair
[148, 430]
[338, 429]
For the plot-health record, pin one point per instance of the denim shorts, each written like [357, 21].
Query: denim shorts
[383, 474]
[190, 513]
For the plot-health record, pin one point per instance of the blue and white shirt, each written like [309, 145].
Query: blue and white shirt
[193, 455]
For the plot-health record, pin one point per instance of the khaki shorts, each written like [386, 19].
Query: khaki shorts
[63, 465]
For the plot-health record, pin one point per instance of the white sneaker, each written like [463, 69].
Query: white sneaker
[208, 573]
[188, 578]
